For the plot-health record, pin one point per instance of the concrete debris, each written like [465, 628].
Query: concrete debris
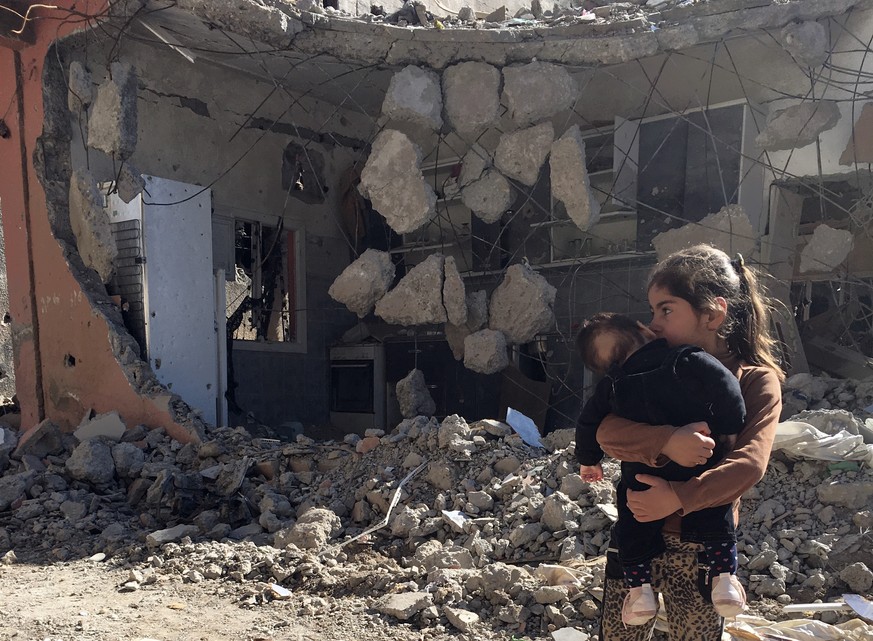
[489, 197]
[729, 229]
[92, 461]
[798, 126]
[418, 297]
[112, 123]
[485, 352]
[521, 154]
[471, 92]
[414, 95]
[393, 181]
[474, 164]
[364, 282]
[454, 293]
[91, 225]
[413, 396]
[477, 318]
[41, 440]
[521, 306]
[130, 183]
[569, 179]
[826, 249]
[80, 91]
[859, 148]
[536, 91]
[480, 534]
[107, 425]
[807, 42]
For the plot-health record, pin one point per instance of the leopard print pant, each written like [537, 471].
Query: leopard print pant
[676, 574]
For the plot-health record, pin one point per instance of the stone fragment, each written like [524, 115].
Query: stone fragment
[107, 425]
[112, 124]
[485, 351]
[169, 535]
[414, 95]
[41, 440]
[367, 444]
[91, 225]
[314, 528]
[521, 306]
[451, 428]
[418, 297]
[128, 460]
[91, 461]
[393, 181]
[807, 42]
[858, 577]
[537, 90]
[525, 534]
[489, 197]
[434, 555]
[729, 229]
[13, 487]
[440, 475]
[463, 620]
[520, 154]
[466, 14]
[558, 509]
[798, 125]
[405, 605]
[826, 249]
[550, 594]
[364, 282]
[855, 495]
[414, 397]
[471, 94]
[569, 634]
[80, 92]
[454, 293]
[569, 179]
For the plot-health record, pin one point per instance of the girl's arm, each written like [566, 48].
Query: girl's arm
[654, 445]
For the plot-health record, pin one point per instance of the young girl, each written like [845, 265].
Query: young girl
[699, 297]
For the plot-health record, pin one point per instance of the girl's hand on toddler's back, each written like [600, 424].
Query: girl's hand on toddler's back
[591, 473]
[690, 445]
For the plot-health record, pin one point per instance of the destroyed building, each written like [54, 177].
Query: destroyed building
[328, 218]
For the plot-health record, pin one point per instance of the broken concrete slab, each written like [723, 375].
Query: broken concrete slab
[170, 535]
[393, 181]
[569, 179]
[536, 91]
[489, 197]
[112, 124]
[463, 620]
[413, 396]
[454, 293]
[798, 125]
[107, 425]
[520, 154]
[41, 440]
[485, 351]
[91, 461]
[417, 299]
[405, 605]
[91, 225]
[729, 230]
[807, 42]
[826, 249]
[414, 95]
[471, 94]
[80, 91]
[360, 285]
[859, 147]
[521, 306]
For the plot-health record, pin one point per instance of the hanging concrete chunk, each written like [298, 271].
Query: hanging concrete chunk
[471, 92]
[521, 306]
[414, 397]
[414, 96]
[477, 318]
[485, 352]
[569, 179]
[91, 226]
[798, 126]
[417, 299]
[113, 120]
[807, 42]
[393, 181]
[536, 91]
[454, 299]
[474, 164]
[364, 282]
[859, 146]
[130, 183]
[489, 197]
[730, 230]
[827, 248]
[79, 89]
[520, 154]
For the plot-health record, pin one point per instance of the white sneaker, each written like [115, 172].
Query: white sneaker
[728, 595]
[639, 606]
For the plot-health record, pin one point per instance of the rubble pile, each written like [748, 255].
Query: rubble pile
[435, 525]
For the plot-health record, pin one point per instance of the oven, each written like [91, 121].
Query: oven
[357, 387]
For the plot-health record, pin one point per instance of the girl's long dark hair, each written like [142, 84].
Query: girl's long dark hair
[702, 273]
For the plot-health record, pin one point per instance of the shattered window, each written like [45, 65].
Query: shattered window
[262, 297]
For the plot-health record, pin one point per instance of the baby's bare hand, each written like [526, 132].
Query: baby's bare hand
[591, 473]
[690, 445]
